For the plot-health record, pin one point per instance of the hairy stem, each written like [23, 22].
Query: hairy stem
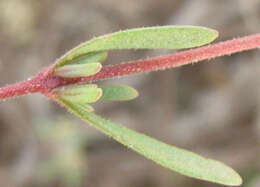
[18, 89]
[174, 60]
[45, 82]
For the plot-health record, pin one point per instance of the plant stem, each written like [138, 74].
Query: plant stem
[174, 60]
[45, 82]
[18, 89]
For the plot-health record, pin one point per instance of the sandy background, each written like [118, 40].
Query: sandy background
[210, 108]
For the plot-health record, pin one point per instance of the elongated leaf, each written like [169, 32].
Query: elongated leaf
[118, 93]
[166, 37]
[182, 161]
[78, 70]
[87, 93]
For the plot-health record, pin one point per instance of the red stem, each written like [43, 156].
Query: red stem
[45, 82]
[173, 60]
[22, 88]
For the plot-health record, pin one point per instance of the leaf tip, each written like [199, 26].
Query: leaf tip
[118, 93]
[237, 180]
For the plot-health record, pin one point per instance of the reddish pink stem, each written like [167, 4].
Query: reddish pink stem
[174, 60]
[45, 82]
[29, 86]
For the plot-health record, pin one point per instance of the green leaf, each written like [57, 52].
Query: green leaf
[78, 70]
[165, 37]
[87, 93]
[92, 57]
[118, 93]
[179, 160]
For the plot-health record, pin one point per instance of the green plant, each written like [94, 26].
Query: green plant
[67, 82]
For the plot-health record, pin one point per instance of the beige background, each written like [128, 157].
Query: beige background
[210, 108]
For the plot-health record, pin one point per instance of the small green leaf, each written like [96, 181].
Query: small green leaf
[92, 57]
[78, 70]
[118, 93]
[87, 93]
[165, 37]
[179, 160]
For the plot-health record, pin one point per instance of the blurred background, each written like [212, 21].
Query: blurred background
[210, 108]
